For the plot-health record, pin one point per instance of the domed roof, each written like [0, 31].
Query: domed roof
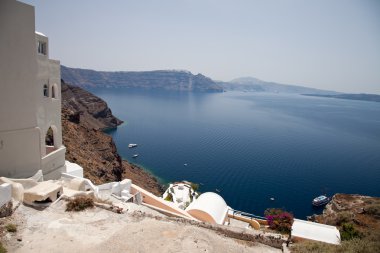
[209, 207]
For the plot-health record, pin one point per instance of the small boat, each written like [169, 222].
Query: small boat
[132, 145]
[217, 190]
[135, 155]
[272, 199]
[321, 200]
[185, 164]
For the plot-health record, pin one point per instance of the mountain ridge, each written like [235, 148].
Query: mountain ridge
[185, 81]
[178, 80]
[255, 84]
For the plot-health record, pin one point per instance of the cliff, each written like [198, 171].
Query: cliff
[257, 85]
[358, 220]
[83, 117]
[92, 111]
[159, 79]
[363, 211]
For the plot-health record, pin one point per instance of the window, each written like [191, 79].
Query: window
[46, 90]
[53, 91]
[50, 144]
[41, 47]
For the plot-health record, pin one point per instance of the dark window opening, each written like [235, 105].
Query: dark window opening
[41, 47]
[46, 90]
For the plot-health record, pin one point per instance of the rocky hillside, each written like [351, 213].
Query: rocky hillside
[363, 211]
[160, 79]
[358, 220]
[83, 117]
[92, 111]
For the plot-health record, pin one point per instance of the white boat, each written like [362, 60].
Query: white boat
[135, 155]
[321, 200]
[132, 145]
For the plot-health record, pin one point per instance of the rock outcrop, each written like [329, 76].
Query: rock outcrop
[83, 117]
[363, 211]
[91, 111]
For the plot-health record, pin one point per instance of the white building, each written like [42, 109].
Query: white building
[30, 101]
[209, 207]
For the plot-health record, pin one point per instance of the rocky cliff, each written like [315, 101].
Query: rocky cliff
[83, 117]
[92, 111]
[363, 211]
[160, 79]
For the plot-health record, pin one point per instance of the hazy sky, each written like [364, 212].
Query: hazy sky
[328, 44]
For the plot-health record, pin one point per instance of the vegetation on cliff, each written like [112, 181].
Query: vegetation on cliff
[358, 219]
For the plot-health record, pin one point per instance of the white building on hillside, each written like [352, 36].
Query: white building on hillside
[30, 98]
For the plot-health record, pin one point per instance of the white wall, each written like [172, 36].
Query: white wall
[19, 156]
[17, 66]
[25, 114]
[5, 194]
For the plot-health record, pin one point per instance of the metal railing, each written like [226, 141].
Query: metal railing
[247, 215]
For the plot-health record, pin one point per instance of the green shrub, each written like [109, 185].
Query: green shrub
[11, 228]
[2, 249]
[169, 197]
[373, 210]
[348, 232]
[314, 247]
[79, 203]
[343, 217]
[195, 186]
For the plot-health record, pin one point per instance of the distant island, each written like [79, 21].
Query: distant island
[254, 84]
[363, 97]
[182, 80]
[177, 80]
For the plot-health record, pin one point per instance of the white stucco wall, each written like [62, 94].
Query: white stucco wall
[5, 193]
[19, 154]
[25, 114]
[209, 204]
[17, 66]
[315, 231]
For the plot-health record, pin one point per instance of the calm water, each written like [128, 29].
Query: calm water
[253, 146]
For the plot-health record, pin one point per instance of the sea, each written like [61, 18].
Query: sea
[257, 150]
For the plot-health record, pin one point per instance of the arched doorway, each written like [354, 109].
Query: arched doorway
[50, 143]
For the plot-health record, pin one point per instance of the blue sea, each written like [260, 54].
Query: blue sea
[251, 147]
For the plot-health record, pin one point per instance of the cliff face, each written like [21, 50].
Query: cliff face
[363, 211]
[160, 79]
[83, 115]
[92, 111]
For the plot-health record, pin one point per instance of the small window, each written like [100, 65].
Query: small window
[53, 91]
[46, 90]
[41, 47]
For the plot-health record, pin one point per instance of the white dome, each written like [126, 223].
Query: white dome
[209, 207]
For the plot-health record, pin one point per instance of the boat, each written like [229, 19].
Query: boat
[217, 190]
[132, 145]
[272, 199]
[185, 164]
[135, 155]
[321, 200]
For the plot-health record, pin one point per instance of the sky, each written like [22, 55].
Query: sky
[326, 44]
